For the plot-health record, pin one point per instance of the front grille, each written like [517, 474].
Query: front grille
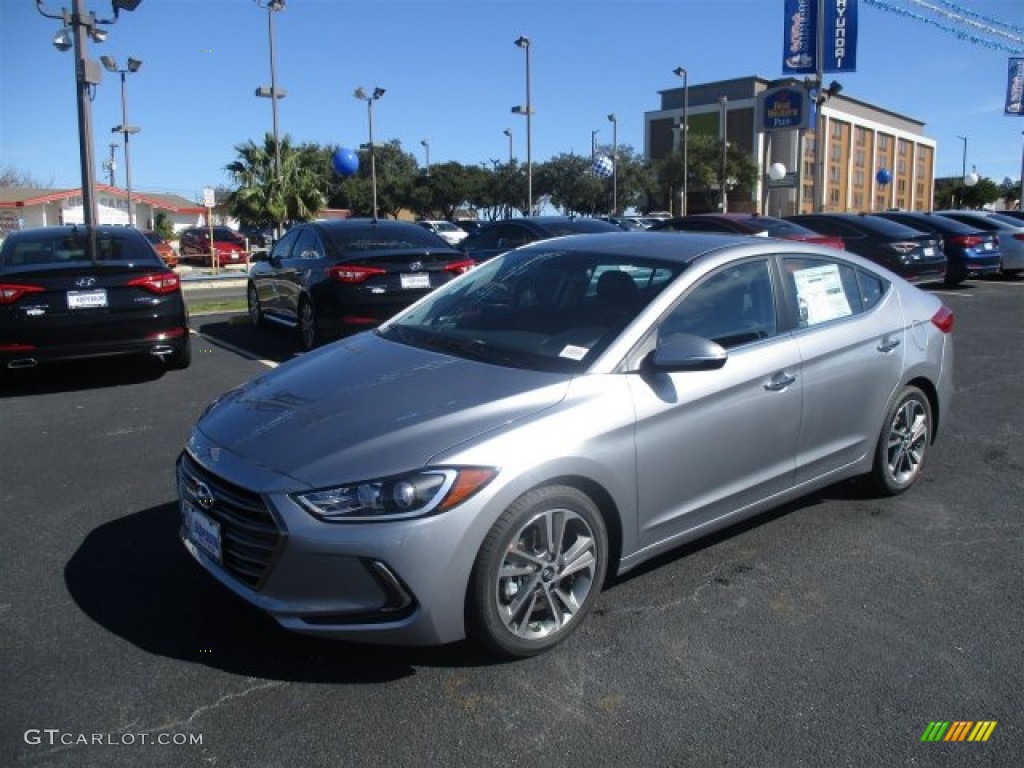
[250, 537]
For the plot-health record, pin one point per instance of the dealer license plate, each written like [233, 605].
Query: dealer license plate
[202, 531]
[87, 299]
[929, 252]
[415, 280]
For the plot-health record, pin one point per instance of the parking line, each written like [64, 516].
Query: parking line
[237, 350]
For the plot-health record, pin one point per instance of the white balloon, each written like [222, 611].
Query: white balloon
[776, 171]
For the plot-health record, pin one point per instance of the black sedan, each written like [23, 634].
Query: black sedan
[500, 236]
[68, 293]
[329, 278]
[911, 254]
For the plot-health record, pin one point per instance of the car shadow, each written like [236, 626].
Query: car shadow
[79, 375]
[133, 577]
[271, 342]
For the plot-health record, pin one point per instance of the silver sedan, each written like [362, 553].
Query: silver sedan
[482, 462]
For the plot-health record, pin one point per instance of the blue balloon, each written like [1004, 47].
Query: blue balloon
[345, 162]
[884, 176]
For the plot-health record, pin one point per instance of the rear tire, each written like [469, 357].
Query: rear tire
[538, 573]
[903, 443]
[181, 359]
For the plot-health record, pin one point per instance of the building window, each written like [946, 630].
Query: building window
[858, 158]
[861, 137]
[858, 178]
[837, 130]
[833, 174]
[858, 201]
[837, 153]
[834, 196]
[901, 166]
[883, 142]
[901, 147]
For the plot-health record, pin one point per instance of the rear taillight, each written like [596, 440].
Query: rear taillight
[458, 267]
[903, 248]
[943, 319]
[1019, 236]
[11, 292]
[159, 283]
[966, 241]
[353, 273]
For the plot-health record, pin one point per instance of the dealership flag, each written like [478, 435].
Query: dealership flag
[1015, 88]
[800, 29]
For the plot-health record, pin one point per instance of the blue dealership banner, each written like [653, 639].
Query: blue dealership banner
[1015, 88]
[800, 43]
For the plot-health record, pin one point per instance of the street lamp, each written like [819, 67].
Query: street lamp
[126, 130]
[79, 26]
[593, 145]
[723, 104]
[273, 92]
[821, 96]
[684, 129]
[524, 42]
[963, 174]
[508, 132]
[615, 163]
[426, 147]
[362, 95]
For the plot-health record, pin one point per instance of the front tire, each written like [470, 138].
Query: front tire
[538, 573]
[255, 310]
[309, 332]
[903, 443]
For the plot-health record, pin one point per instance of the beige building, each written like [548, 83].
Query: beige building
[860, 140]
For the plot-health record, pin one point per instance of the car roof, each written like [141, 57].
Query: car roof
[668, 246]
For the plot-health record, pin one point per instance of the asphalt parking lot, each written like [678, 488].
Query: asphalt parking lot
[831, 632]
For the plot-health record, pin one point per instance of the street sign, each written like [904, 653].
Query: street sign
[787, 181]
[208, 199]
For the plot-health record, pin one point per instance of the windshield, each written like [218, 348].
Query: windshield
[538, 308]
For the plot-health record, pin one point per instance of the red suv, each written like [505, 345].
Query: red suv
[194, 245]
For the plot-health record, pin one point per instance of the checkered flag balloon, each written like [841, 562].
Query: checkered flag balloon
[603, 166]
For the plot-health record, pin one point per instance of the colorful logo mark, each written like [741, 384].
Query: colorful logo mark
[958, 730]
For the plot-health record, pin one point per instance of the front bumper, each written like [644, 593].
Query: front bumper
[399, 582]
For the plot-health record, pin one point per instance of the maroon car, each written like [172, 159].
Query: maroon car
[194, 246]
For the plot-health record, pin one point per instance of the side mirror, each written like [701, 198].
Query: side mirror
[685, 352]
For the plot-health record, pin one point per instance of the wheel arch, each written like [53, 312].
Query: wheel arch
[926, 386]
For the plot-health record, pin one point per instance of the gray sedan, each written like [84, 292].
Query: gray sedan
[482, 462]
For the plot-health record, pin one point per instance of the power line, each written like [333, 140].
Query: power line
[944, 24]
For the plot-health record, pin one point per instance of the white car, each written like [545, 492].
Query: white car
[447, 231]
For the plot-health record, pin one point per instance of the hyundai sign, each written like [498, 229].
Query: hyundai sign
[800, 44]
[1015, 88]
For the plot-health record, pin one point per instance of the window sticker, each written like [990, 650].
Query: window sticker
[820, 294]
[572, 352]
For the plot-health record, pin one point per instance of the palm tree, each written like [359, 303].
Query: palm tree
[262, 196]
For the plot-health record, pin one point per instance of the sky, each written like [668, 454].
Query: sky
[452, 72]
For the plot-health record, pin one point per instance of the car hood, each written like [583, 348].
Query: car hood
[364, 407]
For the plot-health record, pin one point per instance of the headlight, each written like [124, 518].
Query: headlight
[424, 492]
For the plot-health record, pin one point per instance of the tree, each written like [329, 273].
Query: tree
[262, 197]
[11, 177]
[951, 193]
[704, 173]
[443, 192]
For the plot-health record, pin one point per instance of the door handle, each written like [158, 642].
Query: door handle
[779, 382]
[888, 344]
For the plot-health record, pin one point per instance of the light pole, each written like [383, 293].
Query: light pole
[685, 131]
[615, 162]
[593, 145]
[273, 92]
[508, 132]
[963, 174]
[362, 95]
[426, 148]
[723, 105]
[524, 42]
[124, 128]
[79, 26]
